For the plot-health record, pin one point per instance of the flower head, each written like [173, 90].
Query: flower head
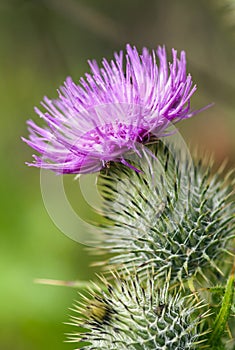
[114, 107]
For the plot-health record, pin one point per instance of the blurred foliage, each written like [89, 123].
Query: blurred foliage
[43, 41]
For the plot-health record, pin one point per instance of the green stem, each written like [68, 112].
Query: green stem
[219, 325]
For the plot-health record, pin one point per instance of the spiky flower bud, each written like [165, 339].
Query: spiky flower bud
[132, 315]
[172, 215]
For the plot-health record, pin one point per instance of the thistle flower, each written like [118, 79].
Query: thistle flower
[131, 315]
[172, 216]
[114, 107]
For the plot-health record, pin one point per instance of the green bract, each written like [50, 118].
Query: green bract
[136, 316]
[173, 215]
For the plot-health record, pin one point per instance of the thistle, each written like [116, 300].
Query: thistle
[165, 214]
[111, 110]
[133, 315]
[172, 216]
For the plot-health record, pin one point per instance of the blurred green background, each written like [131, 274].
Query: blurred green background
[42, 42]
